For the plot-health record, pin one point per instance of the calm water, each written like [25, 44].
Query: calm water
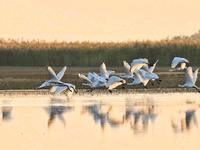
[141, 121]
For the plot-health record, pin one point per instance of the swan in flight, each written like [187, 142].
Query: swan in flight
[128, 74]
[176, 61]
[191, 78]
[70, 88]
[56, 83]
[103, 71]
[137, 79]
[52, 75]
[113, 82]
[140, 63]
[151, 76]
[93, 80]
[142, 77]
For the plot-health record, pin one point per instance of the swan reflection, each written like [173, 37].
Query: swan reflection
[115, 116]
[57, 111]
[6, 113]
[186, 119]
[139, 116]
[99, 113]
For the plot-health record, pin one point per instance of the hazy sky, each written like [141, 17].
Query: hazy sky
[98, 20]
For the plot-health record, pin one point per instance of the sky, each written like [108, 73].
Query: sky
[98, 20]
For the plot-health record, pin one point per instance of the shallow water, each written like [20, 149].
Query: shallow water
[132, 121]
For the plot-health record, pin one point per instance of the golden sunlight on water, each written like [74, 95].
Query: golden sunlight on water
[142, 121]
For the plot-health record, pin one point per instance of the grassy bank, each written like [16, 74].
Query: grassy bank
[92, 54]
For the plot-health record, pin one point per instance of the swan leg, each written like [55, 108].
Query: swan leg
[158, 81]
[145, 86]
[110, 91]
[197, 89]
[69, 88]
[75, 90]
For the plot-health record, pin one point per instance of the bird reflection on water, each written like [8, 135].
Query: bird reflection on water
[140, 116]
[186, 121]
[57, 111]
[137, 116]
[98, 113]
[6, 113]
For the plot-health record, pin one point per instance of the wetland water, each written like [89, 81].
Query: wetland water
[130, 121]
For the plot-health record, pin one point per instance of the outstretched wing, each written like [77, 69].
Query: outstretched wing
[189, 75]
[60, 89]
[84, 78]
[177, 60]
[53, 89]
[61, 73]
[51, 73]
[153, 67]
[109, 72]
[114, 85]
[195, 75]
[127, 67]
[103, 71]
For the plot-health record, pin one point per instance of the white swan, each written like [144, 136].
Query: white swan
[190, 79]
[70, 88]
[138, 64]
[93, 80]
[128, 74]
[137, 79]
[103, 71]
[152, 76]
[53, 77]
[114, 81]
[55, 81]
[176, 61]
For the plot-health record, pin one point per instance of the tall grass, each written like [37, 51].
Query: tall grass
[91, 54]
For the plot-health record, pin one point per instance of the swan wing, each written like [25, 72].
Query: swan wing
[114, 85]
[103, 71]
[138, 63]
[153, 67]
[109, 72]
[178, 60]
[84, 78]
[61, 73]
[189, 76]
[114, 79]
[95, 83]
[137, 78]
[195, 75]
[51, 73]
[91, 76]
[60, 89]
[53, 89]
[127, 67]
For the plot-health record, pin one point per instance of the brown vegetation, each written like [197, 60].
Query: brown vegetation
[92, 54]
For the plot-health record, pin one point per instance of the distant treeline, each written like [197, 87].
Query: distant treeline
[92, 54]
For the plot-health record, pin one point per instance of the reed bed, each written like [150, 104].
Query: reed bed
[38, 53]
